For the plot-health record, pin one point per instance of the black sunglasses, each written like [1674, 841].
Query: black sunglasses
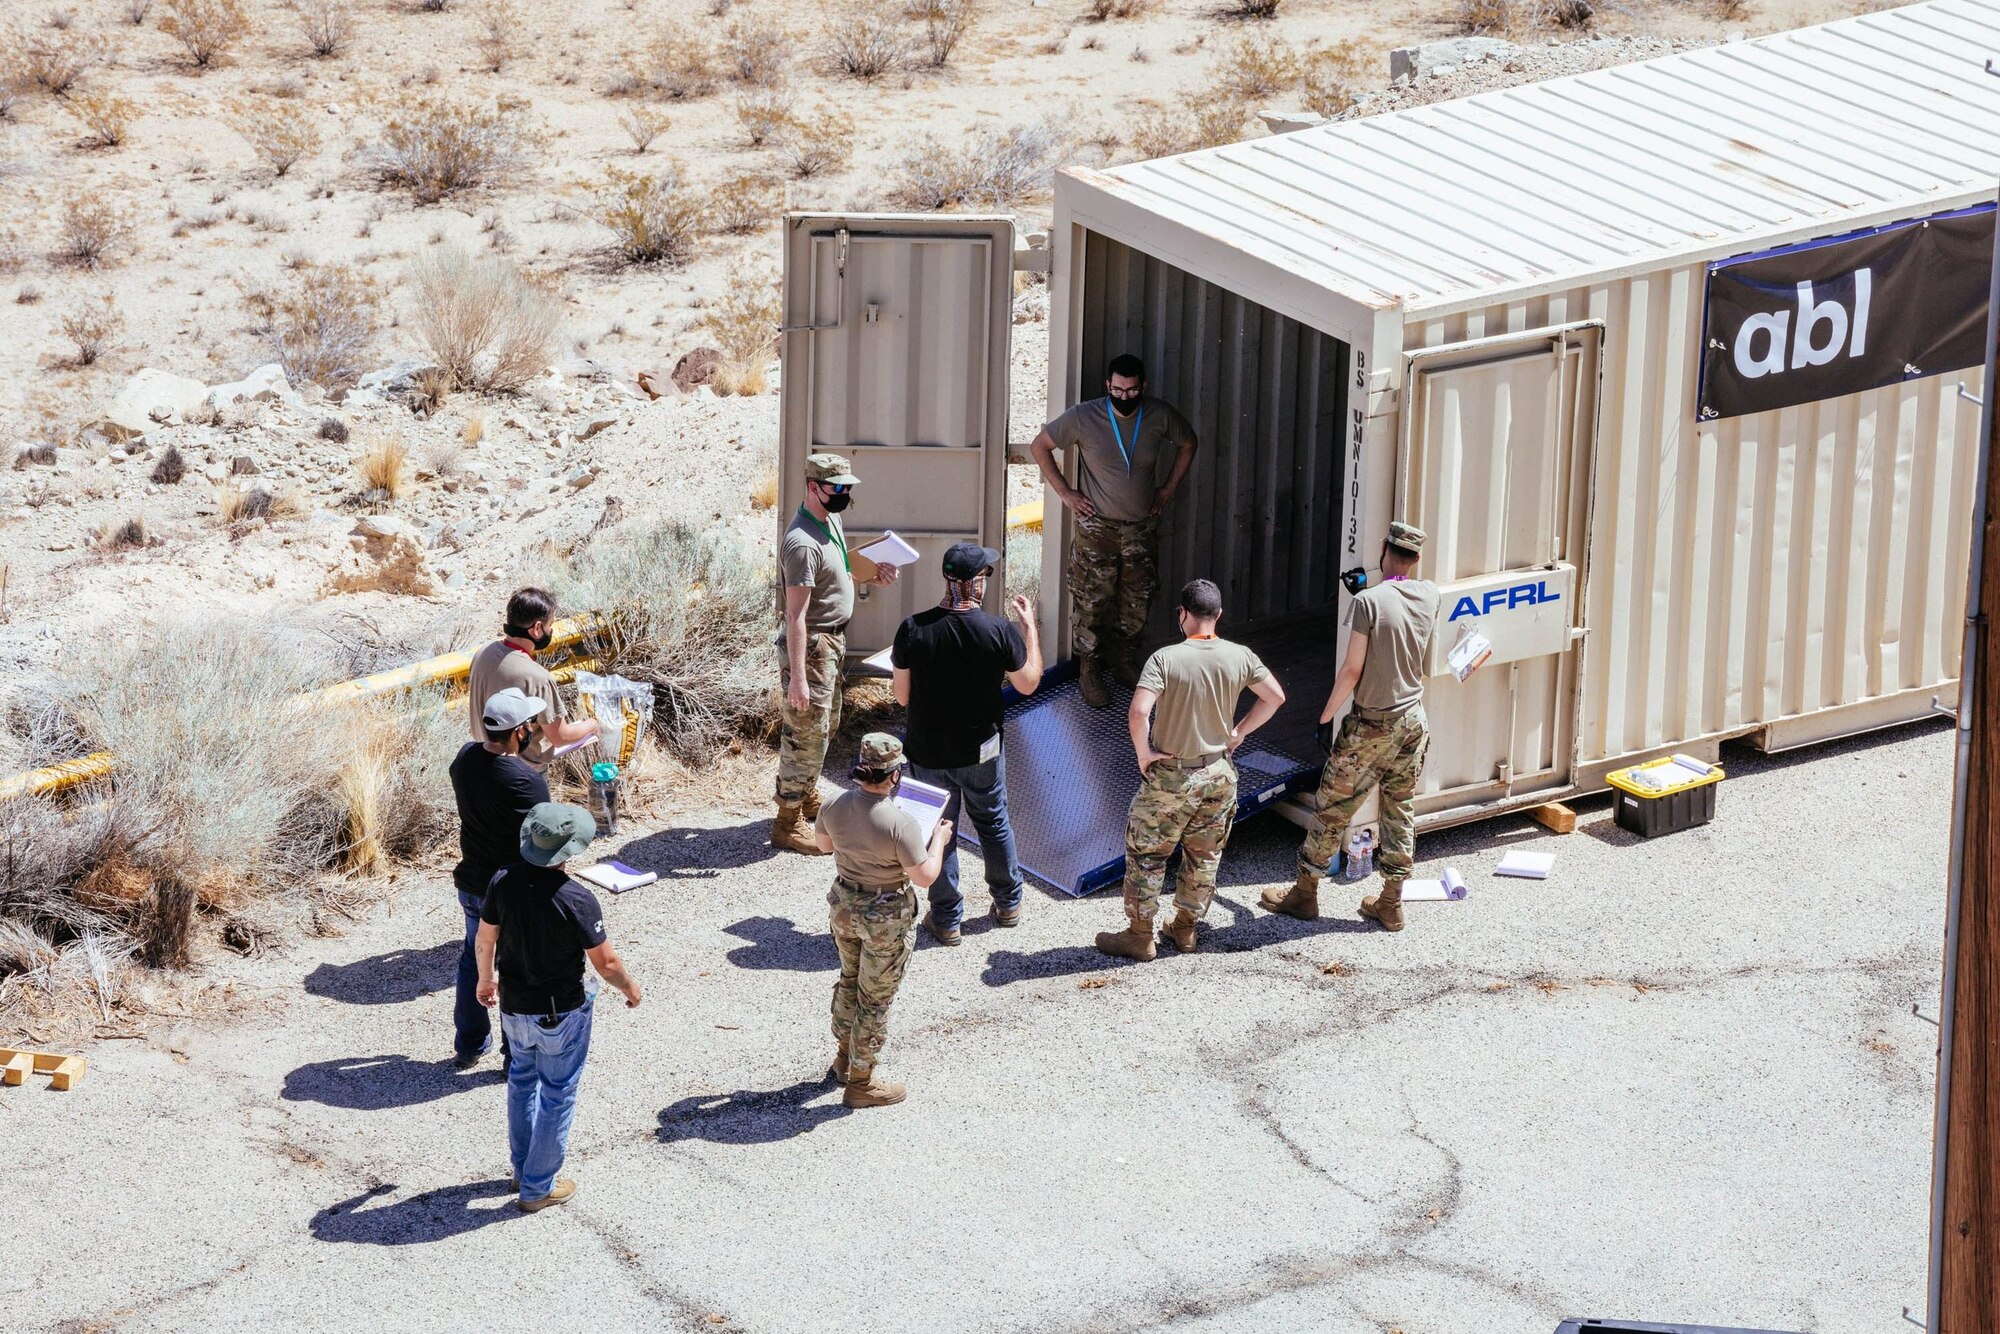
[839, 490]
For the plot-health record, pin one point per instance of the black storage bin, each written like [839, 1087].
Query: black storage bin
[1647, 816]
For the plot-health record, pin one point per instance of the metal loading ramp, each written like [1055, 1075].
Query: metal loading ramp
[1071, 776]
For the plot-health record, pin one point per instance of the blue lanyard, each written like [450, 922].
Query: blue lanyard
[1119, 435]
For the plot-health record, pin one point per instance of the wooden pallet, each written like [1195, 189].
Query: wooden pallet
[63, 1071]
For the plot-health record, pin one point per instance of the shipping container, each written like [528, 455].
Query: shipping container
[1667, 358]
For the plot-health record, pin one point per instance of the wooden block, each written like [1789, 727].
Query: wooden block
[1556, 816]
[67, 1071]
[16, 1065]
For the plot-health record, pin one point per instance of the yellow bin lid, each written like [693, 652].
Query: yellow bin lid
[1683, 773]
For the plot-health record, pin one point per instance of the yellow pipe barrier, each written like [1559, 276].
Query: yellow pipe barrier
[1027, 514]
[57, 777]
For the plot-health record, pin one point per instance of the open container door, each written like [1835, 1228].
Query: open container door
[895, 353]
[1498, 440]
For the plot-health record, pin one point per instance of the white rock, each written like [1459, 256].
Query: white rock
[149, 398]
[399, 375]
[266, 384]
[1416, 62]
[382, 525]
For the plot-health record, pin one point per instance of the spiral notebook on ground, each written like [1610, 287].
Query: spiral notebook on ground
[615, 877]
[1447, 889]
[1526, 865]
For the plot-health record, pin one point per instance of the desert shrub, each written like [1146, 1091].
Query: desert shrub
[744, 322]
[484, 324]
[53, 62]
[819, 145]
[691, 608]
[381, 465]
[206, 29]
[1102, 11]
[1483, 16]
[764, 491]
[1521, 18]
[436, 6]
[945, 24]
[332, 428]
[137, 11]
[105, 117]
[169, 468]
[327, 25]
[1162, 133]
[321, 325]
[865, 41]
[679, 67]
[122, 535]
[1331, 77]
[93, 326]
[745, 202]
[642, 125]
[654, 218]
[499, 30]
[247, 502]
[1256, 67]
[990, 167]
[433, 146]
[281, 132]
[756, 55]
[1253, 9]
[764, 113]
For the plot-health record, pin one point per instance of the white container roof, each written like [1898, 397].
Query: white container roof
[1531, 189]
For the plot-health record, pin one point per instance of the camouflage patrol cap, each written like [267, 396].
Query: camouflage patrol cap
[879, 750]
[1406, 535]
[830, 468]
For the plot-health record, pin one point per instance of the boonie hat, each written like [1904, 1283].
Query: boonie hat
[1406, 535]
[966, 559]
[830, 468]
[879, 750]
[508, 709]
[554, 832]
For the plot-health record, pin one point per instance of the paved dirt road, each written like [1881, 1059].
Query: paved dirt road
[1679, 1081]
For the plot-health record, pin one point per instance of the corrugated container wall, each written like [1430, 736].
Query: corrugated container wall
[1760, 569]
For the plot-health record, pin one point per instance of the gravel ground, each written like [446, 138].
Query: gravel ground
[1682, 1080]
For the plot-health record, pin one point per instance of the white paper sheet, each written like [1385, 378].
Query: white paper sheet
[923, 801]
[889, 549]
[1527, 865]
[1450, 889]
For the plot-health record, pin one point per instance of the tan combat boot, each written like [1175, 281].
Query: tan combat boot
[791, 832]
[1300, 901]
[1387, 907]
[1134, 942]
[865, 1090]
[1181, 931]
[810, 806]
[1090, 681]
[840, 1064]
[1125, 663]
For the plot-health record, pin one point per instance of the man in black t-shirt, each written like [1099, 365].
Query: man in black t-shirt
[495, 789]
[536, 928]
[949, 663]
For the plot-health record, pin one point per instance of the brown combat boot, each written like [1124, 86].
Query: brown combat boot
[865, 1090]
[1181, 931]
[810, 806]
[840, 1064]
[1386, 907]
[1300, 901]
[791, 832]
[1134, 942]
[1125, 663]
[1090, 681]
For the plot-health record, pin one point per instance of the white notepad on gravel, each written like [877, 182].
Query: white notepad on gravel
[615, 876]
[1526, 865]
[1447, 889]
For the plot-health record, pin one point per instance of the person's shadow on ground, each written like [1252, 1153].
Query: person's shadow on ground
[377, 1083]
[1248, 929]
[431, 1216]
[751, 1116]
[700, 854]
[391, 978]
[777, 943]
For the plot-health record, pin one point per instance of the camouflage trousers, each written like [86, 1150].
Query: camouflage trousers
[875, 932]
[1174, 807]
[1389, 752]
[1114, 570]
[803, 733]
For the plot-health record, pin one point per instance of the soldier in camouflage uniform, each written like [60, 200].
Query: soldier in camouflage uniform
[816, 578]
[879, 852]
[1382, 741]
[1184, 735]
[1121, 441]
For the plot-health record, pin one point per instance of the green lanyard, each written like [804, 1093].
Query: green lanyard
[831, 535]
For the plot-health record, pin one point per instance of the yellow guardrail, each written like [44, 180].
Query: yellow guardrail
[1028, 514]
[446, 667]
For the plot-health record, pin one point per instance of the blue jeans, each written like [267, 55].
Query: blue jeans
[475, 1027]
[978, 791]
[542, 1079]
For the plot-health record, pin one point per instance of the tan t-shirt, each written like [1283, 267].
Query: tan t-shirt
[1199, 682]
[1398, 616]
[1121, 489]
[809, 556]
[500, 665]
[875, 841]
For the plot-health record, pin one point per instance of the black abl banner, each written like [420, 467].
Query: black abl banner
[1828, 318]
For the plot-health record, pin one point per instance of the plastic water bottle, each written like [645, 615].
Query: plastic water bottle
[604, 796]
[1360, 862]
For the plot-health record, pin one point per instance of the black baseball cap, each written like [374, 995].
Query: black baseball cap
[967, 559]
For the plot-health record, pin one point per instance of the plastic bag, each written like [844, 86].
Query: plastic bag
[623, 709]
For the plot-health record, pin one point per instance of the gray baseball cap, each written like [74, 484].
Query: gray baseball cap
[507, 709]
[554, 832]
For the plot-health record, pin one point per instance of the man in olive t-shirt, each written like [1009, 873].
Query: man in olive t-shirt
[1187, 783]
[1120, 441]
[509, 664]
[1383, 739]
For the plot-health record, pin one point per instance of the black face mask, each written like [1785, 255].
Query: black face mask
[835, 504]
[542, 640]
[1124, 407]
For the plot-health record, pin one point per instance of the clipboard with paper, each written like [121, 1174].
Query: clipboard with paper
[888, 549]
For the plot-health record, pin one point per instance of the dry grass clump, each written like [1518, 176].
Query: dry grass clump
[1162, 133]
[744, 321]
[92, 327]
[281, 132]
[642, 125]
[764, 492]
[433, 146]
[91, 229]
[206, 29]
[169, 468]
[122, 535]
[865, 41]
[1326, 79]
[321, 325]
[1521, 18]
[765, 114]
[327, 25]
[381, 466]
[988, 167]
[679, 67]
[818, 145]
[654, 218]
[692, 609]
[105, 117]
[248, 502]
[1102, 11]
[1253, 9]
[500, 27]
[136, 11]
[746, 202]
[756, 55]
[484, 323]
[54, 62]
[332, 428]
